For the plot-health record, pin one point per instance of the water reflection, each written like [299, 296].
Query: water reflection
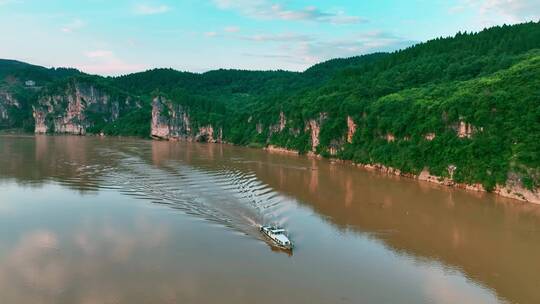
[493, 241]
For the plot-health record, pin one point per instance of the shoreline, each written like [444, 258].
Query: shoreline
[511, 190]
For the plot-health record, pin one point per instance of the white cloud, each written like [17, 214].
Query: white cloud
[494, 12]
[6, 2]
[265, 9]
[73, 26]
[283, 37]
[211, 34]
[105, 62]
[304, 51]
[359, 44]
[146, 9]
[232, 29]
[519, 10]
[99, 54]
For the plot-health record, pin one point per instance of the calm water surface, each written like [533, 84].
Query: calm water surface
[109, 220]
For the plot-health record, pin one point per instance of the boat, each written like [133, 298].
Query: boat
[278, 236]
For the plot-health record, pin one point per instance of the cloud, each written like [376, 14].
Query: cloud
[264, 9]
[285, 37]
[211, 34]
[105, 62]
[493, 12]
[99, 54]
[6, 2]
[232, 29]
[520, 10]
[146, 9]
[73, 26]
[305, 51]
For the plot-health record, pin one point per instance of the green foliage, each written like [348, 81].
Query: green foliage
[135, 123]
[488, 82]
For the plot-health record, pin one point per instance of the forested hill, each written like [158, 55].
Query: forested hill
[465, 107]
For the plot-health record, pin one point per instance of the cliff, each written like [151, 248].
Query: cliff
[77, 106]
[467, 102]
[7, 104]
[172, 121]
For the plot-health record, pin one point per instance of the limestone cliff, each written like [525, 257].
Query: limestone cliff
[172, 121]
[76, 107]
[314, 127]
[7, 103]
[351, 129]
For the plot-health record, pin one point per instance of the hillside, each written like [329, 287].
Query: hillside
[463, 109]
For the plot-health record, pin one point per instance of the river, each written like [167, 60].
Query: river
[123, 220]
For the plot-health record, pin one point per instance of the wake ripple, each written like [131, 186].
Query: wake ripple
[226, 196]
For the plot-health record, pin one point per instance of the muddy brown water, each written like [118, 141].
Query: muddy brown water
[119, 220]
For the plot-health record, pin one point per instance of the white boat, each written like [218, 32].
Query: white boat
[278, 236]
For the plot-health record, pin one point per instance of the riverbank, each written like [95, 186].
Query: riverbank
[14, 132]
[512, 189]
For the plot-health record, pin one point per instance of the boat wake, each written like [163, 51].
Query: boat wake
[226, 196]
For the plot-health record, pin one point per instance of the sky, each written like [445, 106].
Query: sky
[115, 37]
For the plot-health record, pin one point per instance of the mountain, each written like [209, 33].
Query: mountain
[461, 110]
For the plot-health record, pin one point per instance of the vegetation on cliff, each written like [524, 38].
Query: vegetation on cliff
[465, 107]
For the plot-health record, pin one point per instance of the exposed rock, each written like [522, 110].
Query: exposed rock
[351, 129]
[169, 121]
[334, 147]
[465, 130]
[275, 149]
[314, 126]
[67, 112]
[7, 101]
[278, 127]
[206, 134]
[513, 188]
[282, 121]
[40, 121]
[430, 136]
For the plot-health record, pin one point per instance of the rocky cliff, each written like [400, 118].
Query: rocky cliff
[513, 188]
[7, 104]
[76, 107]
[171, 121]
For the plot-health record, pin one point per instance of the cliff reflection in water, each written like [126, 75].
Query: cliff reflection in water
[492, 240]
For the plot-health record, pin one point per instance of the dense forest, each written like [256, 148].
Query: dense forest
[409, 107]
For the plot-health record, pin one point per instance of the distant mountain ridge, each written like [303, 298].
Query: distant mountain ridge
[462, 110]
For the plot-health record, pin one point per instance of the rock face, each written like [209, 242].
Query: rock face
[277, 128]
[351, 129]
[512, 189]
[430, 136]
[282, 121]
[390, 137]
[71, 111]
[171, 121]
[7, 102]
[465, 130]
[314, 126]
